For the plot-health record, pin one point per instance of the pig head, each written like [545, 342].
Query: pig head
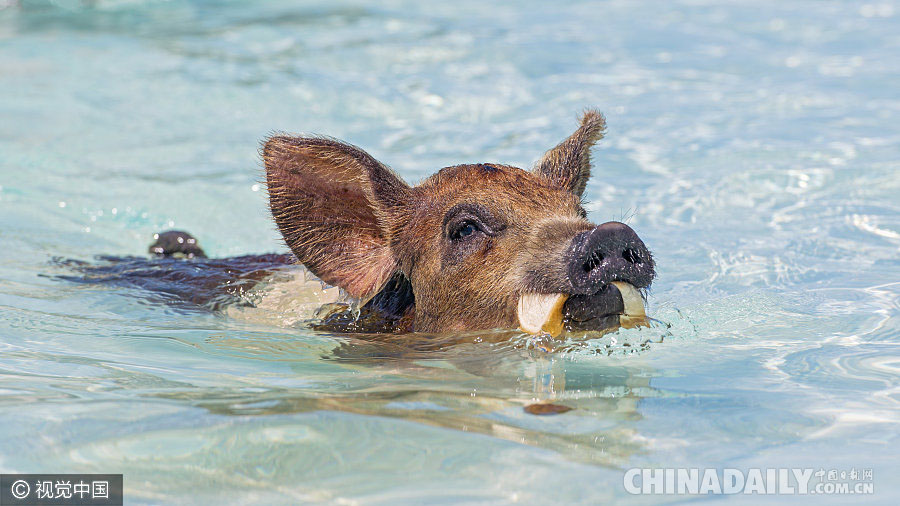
[461, 249]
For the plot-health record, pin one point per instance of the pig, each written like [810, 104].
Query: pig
[474, 246]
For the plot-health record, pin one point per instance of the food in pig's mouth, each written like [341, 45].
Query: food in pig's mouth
[618, 304]
[541, 313]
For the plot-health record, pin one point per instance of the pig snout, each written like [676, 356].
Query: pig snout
[610, 252]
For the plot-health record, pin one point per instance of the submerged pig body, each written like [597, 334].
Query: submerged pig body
[459, 250]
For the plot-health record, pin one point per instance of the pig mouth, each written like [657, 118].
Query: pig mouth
[617, 304]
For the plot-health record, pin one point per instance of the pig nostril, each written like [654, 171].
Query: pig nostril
[631, 256]
[593, 261]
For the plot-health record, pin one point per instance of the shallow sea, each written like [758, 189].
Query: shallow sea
[753, 145]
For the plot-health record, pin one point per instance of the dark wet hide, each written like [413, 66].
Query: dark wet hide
[199, 283]
[203, 284]
[389, 311]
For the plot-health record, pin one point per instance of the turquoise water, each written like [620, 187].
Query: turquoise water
[753, 145]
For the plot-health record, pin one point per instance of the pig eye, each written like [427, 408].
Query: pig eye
[466, 223]
[463, 230]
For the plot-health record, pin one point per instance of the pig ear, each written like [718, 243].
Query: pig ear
[568, 165]
[335, 206]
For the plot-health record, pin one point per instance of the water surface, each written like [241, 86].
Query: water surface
[753, 145]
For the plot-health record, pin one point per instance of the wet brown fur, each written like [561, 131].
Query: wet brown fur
[355, 224]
